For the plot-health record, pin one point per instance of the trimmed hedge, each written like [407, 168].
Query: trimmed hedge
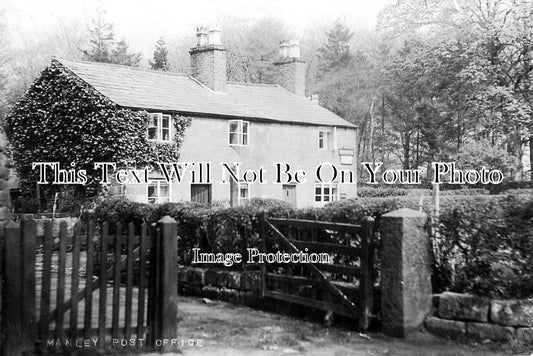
[380, 192]
[517, 191]
[483, 243]
[508, 185]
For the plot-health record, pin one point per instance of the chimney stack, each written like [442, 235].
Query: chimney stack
[291, 69]
[208, 58]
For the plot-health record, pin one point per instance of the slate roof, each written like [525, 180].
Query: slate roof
[163, 91]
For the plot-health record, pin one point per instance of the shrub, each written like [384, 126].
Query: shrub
[517, 191]
[380, 192]
[367, 192]
[118, 210]
[473, 191]
[484, 247]
[507, 185]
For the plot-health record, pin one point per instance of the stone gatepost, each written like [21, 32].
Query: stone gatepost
[405, 271]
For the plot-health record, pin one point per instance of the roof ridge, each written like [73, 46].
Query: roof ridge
[62, 60]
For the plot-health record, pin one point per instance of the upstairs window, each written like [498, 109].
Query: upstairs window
[322, 140]
[238, 132]
[159, 127]
[326, 138]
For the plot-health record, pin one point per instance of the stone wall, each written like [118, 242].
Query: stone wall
[230, 286]
[464, 316]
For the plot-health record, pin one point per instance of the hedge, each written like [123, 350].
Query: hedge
[482, 246]
[380, 192]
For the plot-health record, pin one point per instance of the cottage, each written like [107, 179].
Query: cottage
[234, 126]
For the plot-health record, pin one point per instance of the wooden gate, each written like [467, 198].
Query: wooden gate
[325, 286]
[88, 288]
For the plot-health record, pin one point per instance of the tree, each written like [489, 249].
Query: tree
[121, 55]
[335, 71]
[103, 46]
[252, 48]
[346, 84]
[488, 45]
[482, 153]
[335, 53]
[160, 56]
[3, 69]
[102, 39]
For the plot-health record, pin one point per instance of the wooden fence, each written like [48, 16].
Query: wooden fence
[90, 286]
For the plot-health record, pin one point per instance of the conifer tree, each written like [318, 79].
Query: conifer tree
[160, 56]
[335, 53]
[103, 46]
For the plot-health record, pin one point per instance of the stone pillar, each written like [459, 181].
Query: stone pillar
[405, 271]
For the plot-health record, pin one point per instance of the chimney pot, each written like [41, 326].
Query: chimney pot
[290, 68]
[201, 36]
[214, 37]
[283, 49]
[294, 49]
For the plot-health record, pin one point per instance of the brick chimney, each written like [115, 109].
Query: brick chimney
[208, 59]
[291, 69]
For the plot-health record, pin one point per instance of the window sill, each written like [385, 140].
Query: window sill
[159, 141]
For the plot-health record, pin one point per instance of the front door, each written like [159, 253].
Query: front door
[289, 194]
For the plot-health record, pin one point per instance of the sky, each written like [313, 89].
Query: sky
[143, 22]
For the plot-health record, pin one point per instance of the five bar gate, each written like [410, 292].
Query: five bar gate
[325, 286]
[90, 289]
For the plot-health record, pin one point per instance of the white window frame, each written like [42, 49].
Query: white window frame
[243, 138]
[322, 139]
[159, 127]
[327, 138]
[320, 198]
[248, 186]
[158, 198]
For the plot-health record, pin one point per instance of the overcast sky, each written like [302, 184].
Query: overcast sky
[143, 22]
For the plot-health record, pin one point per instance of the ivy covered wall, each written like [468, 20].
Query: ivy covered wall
[63, 119]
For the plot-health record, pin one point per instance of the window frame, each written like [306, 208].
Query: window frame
[321, 195]
[243, 138]
[248, 187]
[327, 136]
[158, 198]
[322, 138]
[159, 127]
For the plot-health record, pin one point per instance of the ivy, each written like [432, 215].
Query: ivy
[63, 119]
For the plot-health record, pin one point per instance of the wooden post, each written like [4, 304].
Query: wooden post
[168, 284]
[19, 305]
[263, 267]
[366, 286]
[29, 237]
[436, 201]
